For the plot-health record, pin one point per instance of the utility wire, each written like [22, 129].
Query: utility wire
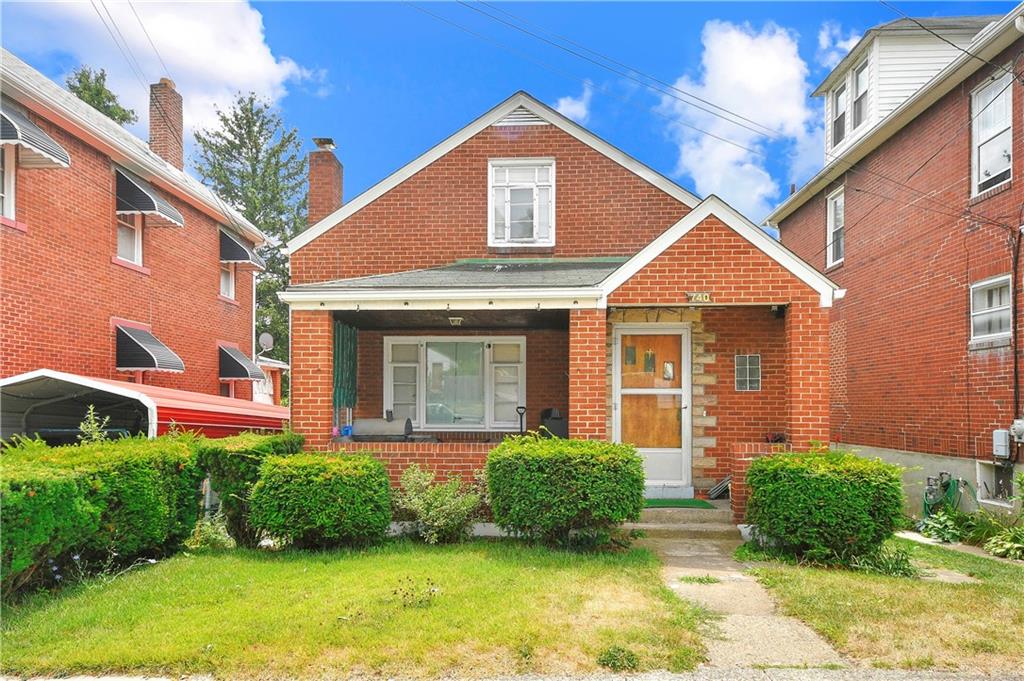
[149, 38]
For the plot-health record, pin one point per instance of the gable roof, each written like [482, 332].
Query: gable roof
[520, 105]
[987, 45]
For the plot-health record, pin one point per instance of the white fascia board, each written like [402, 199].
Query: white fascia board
[445, 299]
[986, 46]
[520, 99]
[86, 382]
[714, 206]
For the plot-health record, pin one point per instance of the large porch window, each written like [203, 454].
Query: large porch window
[455, 382]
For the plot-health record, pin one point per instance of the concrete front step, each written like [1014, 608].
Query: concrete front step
[686, 515]
[687, 530]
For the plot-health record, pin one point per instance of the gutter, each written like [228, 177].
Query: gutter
[322, 298]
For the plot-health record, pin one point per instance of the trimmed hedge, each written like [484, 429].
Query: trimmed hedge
[564, 491]
[319, 501]
[130, 497]
[233, 464]
[826, 507]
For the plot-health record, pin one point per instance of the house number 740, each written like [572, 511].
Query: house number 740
[699, 297]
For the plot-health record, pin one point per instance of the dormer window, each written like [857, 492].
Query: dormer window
[522, 203]
[860, 95]
[839, 105]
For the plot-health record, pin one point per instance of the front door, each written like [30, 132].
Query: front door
[652, 403]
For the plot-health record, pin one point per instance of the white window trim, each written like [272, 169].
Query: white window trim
[987, 283]
[830, 226]
[976, 144]
[230, 267]
[736, 377]
[504, 163]
[833, 117]
[419, 422]
[854, 125]
[137, 225]
[9, 152]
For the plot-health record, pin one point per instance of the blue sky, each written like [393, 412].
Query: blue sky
[387, 81]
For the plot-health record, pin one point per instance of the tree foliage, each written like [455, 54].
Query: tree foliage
[91, 87]
[256, 164]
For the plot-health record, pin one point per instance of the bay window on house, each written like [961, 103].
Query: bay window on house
[455, 382]
[521, 196]
[990, 308]
[129, 237]
[992, 133]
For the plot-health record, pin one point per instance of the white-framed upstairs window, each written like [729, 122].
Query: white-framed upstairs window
[990, 308]
[521, 202]
[840, 103]
[227, 280]
[8, 155]
[835, 234]
[992, 133]
[455, 382]
[129, 238]
[860, 95]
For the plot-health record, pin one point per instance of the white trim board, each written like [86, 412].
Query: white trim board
[493, 117]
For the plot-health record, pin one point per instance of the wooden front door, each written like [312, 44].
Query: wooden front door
[652, 403]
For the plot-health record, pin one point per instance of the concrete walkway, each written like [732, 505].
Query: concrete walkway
[751, 632]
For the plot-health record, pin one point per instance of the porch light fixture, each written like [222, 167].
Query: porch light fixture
[455, 321]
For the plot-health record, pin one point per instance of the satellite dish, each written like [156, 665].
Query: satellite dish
[266, 341]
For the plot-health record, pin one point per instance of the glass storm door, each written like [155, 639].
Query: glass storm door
[653, 403]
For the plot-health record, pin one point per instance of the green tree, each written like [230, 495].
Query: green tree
[256, 164]
[91, 87]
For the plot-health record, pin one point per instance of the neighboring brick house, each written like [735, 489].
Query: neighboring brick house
[525, 265]
[918, 213]
[115, 263]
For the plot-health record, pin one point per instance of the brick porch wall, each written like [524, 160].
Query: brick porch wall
[588, 390]
[464, 459]
[743, 453]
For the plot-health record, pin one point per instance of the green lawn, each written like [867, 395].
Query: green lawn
[499, 607]
[895, 622]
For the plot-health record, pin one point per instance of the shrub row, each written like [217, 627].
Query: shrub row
[828, 507]
[233, 464]
[124, 498]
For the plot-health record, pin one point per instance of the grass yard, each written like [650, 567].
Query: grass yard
[401, 608]
[906, 623]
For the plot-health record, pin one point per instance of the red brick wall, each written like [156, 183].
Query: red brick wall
[902, 373]
[463, 459]
[312, 361]
[743, 454]
[588, 383]
[59, 288]
[440, 214]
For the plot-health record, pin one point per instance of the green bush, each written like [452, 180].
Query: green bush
[210, 534]
[233, 464]
[442, 512]
[123, 498]
[826, 507]
[1007, 544]
[317, 501]
[619, 659]
[564, 491]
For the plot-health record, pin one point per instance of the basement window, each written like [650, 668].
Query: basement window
[992, 133]
[990, 308]
[521, 210]
[748, 373]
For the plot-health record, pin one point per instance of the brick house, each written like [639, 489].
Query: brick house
[524, 273]
[116, 264]
[917, 213]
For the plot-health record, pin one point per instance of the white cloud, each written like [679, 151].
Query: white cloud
[212, 51]
[832, 46]
[577, 108]
[758, 74]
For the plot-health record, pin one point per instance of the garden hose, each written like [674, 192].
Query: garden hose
[950, 495]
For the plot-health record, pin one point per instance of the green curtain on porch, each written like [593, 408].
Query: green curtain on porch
[344, 393]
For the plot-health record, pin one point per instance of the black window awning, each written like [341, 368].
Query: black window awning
[235, 366]
[234, 249]
[139, 350]
[38, 150]
[136, 196]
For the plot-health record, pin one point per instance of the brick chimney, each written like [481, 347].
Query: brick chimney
[165, 123]
[325, 177]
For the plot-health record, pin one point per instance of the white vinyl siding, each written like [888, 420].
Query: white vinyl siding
[8, 154]
[835, 235]
[455, 382]
[521, 203]
[129, 238]
[906, 62]
[992, 134]
[990, 308]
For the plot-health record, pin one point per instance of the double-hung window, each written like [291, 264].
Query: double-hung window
[835, 248]
[7, 163]
[992, 133]
[455, 382]
[129, 238]
[990, 308]
[839, 106]
[860, 95]
[522, 202]
[227, 280]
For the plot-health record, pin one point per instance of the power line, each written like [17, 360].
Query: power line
[149, 38]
